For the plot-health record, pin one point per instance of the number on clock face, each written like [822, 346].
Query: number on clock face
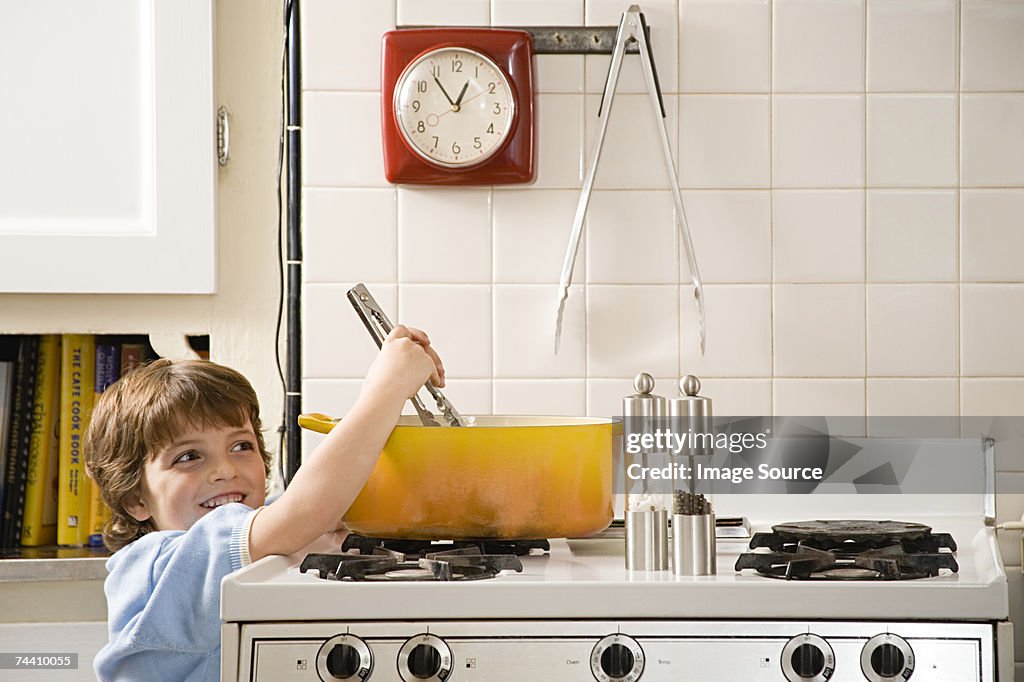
[454, 107]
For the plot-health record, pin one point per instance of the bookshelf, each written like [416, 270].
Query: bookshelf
[48, 383]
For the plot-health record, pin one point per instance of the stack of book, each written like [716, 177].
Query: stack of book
[48, 384]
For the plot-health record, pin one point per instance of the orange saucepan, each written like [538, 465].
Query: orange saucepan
[502, 478]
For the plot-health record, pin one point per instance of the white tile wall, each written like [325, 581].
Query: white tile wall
[818, 236]
[818, 46]
[818, 141]
[834, 397]
[739, 329]
[854, 180]
[350, 234]
[531, 229]
[992, 140]
[327, 60]
[819, 330]
[632, 156]
[912, 330]
[912, 45]
[523, 345]
[631, 238]
[912, 140]
[444, 235]
[991, 238]
[559, 141]
[725, 45]
[911, 236]
[912, 398]
[738, 248]
[993, 52]
[724, 141]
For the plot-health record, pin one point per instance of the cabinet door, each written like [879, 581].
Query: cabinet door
[108, 160]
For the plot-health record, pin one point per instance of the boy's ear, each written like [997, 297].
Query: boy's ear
[137, 509]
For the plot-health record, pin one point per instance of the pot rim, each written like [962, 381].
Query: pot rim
[492, 421]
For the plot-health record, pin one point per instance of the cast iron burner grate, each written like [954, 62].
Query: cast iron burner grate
[389, 566]
[850, 550]
[417, 548]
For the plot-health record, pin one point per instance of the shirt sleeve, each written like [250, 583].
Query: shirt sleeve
[163, 590]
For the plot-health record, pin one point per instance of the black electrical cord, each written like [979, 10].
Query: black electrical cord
[281, 429]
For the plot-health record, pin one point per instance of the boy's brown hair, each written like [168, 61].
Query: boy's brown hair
[144, 412]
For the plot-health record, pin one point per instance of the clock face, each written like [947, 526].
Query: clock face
[454, 107]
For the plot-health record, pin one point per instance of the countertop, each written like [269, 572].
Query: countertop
[53, 564]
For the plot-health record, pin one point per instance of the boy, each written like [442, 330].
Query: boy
[177, 451]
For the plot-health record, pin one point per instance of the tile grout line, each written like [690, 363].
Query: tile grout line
[586, 284]
[959, 203]
[494, 297]
[679, 173]
[865, 221]
[771, 199]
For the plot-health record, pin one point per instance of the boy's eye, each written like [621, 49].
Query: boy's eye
[189, 456]
[242, 446]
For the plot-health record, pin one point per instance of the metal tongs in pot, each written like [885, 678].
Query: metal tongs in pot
[379, 326]
[633, 27]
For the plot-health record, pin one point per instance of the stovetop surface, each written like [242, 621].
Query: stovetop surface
[587, 578]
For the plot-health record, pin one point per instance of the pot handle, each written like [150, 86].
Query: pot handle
[321, 423]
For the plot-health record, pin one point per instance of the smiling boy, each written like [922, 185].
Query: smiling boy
[178, 453]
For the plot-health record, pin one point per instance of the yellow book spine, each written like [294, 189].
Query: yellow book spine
[78, 359]
[108, 363]
[99, 514]
[40, 520]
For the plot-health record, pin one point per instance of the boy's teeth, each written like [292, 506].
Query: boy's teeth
[223, 499]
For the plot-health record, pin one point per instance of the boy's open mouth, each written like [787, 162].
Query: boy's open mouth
[227, 498]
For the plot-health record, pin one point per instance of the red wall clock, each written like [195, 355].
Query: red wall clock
[457, 106]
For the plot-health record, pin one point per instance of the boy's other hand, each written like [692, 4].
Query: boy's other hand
[405, 362]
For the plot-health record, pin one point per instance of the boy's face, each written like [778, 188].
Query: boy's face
[200, 471]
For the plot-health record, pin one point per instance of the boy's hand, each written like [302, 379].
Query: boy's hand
[405, 362]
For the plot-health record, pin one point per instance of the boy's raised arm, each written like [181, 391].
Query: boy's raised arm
[331, 478]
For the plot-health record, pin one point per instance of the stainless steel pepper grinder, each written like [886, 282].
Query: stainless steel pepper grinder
[690, 416]
[646, 514]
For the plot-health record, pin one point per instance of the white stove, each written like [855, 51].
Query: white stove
[576, 613]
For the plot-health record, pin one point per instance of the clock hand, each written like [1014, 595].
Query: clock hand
[458, 105]
[462, 94]
[473, 97]
[444, 92]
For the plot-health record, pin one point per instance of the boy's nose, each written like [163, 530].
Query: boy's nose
[223, 469]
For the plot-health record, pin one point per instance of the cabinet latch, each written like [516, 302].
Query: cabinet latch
[223, 136]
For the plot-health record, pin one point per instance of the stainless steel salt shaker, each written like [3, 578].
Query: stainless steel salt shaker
[646, 513]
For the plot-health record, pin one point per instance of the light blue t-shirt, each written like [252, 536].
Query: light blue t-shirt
[163, 599]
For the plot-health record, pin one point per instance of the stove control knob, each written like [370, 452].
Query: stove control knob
[887, 657]
[808, 658]
[425, 657]
[344, 657]
[617, 658]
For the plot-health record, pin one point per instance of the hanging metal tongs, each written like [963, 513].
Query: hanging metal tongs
[633, 27]
[379, 326]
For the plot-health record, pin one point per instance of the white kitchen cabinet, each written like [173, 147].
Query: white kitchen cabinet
[108, 173]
